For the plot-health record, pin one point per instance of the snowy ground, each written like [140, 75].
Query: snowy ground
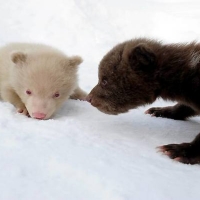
[83, 154]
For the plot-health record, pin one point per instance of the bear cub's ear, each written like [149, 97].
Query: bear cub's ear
[18, 57]
[142, 54]
[75, 60]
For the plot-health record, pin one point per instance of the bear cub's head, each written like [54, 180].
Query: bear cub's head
[126, 77]
[44, 80]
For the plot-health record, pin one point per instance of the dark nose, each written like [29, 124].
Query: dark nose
[89, 98]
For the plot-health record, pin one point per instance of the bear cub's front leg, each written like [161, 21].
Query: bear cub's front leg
[9, 95]
[177, 112]
[79, 94]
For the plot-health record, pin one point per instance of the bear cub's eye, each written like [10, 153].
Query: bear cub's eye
[56, 95]
[104, 82]
[28, 92]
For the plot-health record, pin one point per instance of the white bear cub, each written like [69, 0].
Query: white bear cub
[37, 79]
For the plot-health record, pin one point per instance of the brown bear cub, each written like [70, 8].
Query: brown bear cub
[137, 72]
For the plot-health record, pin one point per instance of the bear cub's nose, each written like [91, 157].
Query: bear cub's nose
[89, 98]
[38, 115]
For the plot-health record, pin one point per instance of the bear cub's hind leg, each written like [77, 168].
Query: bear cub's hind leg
[188, 153]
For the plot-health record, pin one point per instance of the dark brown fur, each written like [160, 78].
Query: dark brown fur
[137, 72]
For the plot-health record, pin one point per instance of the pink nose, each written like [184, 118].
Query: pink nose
[38, 115]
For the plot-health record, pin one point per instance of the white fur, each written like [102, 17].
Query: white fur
[41, 69]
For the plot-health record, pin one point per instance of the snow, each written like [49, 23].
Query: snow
[83, 154]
